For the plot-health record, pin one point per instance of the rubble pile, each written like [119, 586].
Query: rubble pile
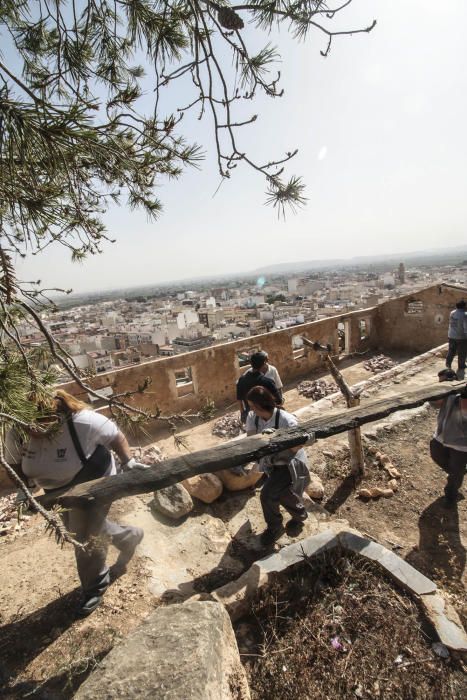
[317, 389]
[382, 461]
[379, 364]
[147, 455]
[10, 523]
[227, 426]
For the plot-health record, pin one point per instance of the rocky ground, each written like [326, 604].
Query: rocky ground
[46, 652]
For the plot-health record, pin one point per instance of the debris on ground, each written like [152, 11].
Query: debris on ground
[379, 364]
[228, 426]
[316, 389]
[147, 455]
[12, 522]
[381, 461]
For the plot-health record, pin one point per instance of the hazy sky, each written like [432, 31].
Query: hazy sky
[380, 127]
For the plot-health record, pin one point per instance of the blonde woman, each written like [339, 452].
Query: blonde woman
[80, 450]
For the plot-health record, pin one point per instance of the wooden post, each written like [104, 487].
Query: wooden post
[357, 459]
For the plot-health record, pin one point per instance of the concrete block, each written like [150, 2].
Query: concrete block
[446, 621]
[394, 565]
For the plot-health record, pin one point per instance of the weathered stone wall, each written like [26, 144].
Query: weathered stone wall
[413, 323]
[215, 370]
[416, 322]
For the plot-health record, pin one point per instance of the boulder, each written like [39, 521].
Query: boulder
[174, 501]
[181, 651]
[315, 488]
[205, 487]
[235, 480]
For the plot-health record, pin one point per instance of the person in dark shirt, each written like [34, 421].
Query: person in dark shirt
[255, 377]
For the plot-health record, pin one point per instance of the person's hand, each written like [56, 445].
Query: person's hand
[141, 465]
[268, 431]
[133, 464]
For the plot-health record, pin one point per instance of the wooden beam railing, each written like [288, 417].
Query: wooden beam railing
[237, 452]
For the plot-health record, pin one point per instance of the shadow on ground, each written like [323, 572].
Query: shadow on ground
[440, 551]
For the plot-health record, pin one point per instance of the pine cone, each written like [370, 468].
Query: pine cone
[229, 19]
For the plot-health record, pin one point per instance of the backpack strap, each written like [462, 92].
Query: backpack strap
[75, 439]
[278, 415]
[256, 423]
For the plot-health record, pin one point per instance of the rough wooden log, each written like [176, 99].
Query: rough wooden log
[239, 452]
[357, 458]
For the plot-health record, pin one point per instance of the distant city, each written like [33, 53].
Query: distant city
[119, 329]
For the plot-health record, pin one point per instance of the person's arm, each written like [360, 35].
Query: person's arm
[277, 379]
[121, 448]
[275, 392]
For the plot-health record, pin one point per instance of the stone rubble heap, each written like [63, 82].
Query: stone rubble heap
[10, 523]
[227, 426]
[379, 364]
[316, 389]
[147, 455]
[382, 461]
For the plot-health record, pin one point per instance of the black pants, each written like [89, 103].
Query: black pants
[459, 348]
[276, 492]
[453, 462]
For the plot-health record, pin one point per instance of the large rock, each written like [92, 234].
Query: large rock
[205, 487]
[181, 652]
[315, 488]
[234, 480]
[174, 501]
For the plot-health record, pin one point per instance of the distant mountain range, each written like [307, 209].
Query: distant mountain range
[427, 257]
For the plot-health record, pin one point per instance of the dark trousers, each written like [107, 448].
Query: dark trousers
[453, 462]
[276, 492]
[93, 528]
[459, 348]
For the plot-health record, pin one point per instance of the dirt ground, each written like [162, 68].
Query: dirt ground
[415, 522]
[46, 653]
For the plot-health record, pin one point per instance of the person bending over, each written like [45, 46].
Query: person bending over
[78, 450]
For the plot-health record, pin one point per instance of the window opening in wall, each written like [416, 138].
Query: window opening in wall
[414, 306]
[184, 381]
[298, 348]
[364, 328]
[243, 356]
[343, 336]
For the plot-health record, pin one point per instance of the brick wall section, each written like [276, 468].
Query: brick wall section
[215, 370]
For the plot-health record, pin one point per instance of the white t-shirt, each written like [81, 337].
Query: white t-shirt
[273, 374]
[52, 463]
[286, 420]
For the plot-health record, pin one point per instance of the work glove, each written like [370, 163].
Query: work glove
[133, 464]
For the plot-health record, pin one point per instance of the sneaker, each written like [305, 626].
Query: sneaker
[270, 536]
[126, 554]
[88, 605]
[294, 527]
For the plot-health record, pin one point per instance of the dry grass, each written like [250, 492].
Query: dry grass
[336, 628]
